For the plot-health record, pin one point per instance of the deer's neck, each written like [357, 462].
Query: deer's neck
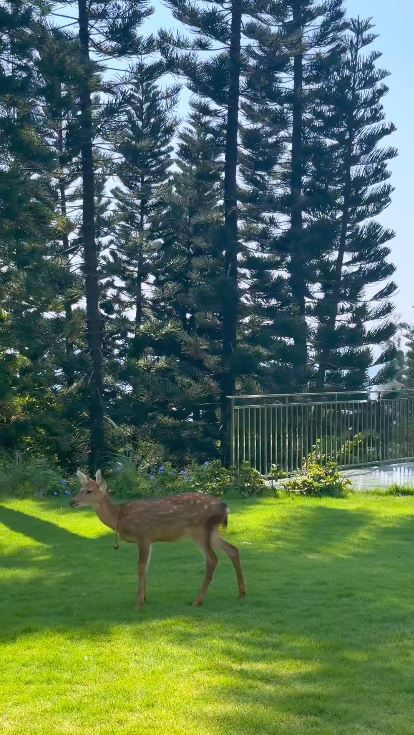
[108, 513]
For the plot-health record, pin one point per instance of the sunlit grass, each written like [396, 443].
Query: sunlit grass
[324, 642]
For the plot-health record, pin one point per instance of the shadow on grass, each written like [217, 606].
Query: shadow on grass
[330, 598]
[320, 548]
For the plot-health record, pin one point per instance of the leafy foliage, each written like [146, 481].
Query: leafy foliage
[21, 477]
[399, 490]
[351, 178]
[131, 480]
[319, 481]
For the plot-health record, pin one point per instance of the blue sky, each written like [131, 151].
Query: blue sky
[394, 23]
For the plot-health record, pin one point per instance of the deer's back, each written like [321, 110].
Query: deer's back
[170, 518]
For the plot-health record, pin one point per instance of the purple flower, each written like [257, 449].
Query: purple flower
[161, 469]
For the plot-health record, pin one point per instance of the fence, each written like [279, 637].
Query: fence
[351, 429]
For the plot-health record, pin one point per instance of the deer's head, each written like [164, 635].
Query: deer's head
[92, 491]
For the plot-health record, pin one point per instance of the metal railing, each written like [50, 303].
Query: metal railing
[351, 429]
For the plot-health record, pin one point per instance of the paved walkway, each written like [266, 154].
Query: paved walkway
[374, 477]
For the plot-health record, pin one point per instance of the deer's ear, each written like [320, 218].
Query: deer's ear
[101, 482]
[83, 479]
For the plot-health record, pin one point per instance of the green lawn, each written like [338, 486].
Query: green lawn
[324, 642]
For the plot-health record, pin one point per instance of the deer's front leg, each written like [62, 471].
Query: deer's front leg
[144, 549]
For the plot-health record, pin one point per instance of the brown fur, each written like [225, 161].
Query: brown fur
[145, 522]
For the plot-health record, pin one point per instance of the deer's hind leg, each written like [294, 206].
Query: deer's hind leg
[202, 537]
[144, 557]
[234, 556]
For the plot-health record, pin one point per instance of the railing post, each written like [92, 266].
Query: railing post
[287, 434]
[232, 436]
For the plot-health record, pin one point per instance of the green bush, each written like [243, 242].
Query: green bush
[26, 476]
[167, 480]
[318, 481]
[350, 447]
[399, 490]
[276, 473]
[129, 480]
[248, 482]
[211, 478]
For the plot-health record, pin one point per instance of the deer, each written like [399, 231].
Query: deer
[171, 518]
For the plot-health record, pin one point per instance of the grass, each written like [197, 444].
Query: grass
[324, 642]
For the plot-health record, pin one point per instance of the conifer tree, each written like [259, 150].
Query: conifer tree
[351, 176]
[26, 229]
[57, 64]
[143, 142]
[220, 28]
[270, 323]
[408, 374]
[107, 29]
[174, 361]
[308, 30]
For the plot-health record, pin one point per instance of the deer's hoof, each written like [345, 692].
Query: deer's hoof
[140, 604]
[197, 603]
[242, 594]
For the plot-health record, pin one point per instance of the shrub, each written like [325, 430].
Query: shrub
[26, 476]
[399, 490]
[318, 481]
[129, 480]
[248, 482]
[322, 449]
[276, 473]
[167, 480]
[211, 478]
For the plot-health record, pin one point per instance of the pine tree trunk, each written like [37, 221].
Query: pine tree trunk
[297, 265]
[93, 319]
[231, 295]
[335, 293]
[138, 293]
[138, 285]
[69, 350]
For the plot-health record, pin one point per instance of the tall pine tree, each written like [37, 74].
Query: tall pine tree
[217, 77]
[174, 361]
[26, 231]
[107, 29]
[307, 30]
[143, 141]
[351, 175]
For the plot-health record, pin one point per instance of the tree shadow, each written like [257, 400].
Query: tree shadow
[71, 567]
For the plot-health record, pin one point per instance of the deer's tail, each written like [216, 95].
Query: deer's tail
[220, 517]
